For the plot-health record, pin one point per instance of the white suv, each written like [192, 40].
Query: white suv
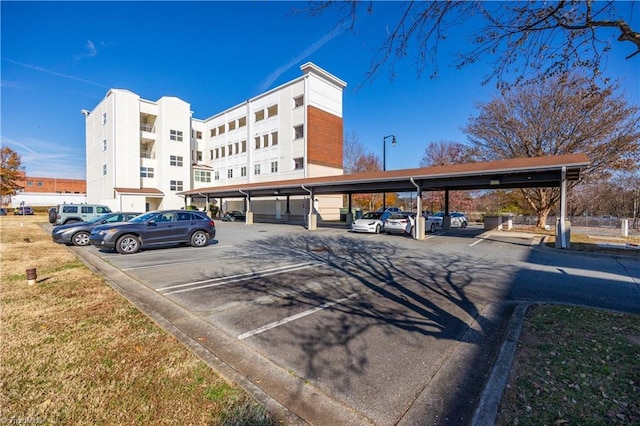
[67, 213]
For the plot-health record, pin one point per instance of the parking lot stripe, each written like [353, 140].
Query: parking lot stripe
[479, 241]
[294, 317]
[197, 285]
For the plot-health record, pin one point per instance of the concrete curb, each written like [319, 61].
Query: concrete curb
[487, 408]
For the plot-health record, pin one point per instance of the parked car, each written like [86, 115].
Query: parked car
[234, 216]
[23, 210]
[435, 221]
[400, 223]
[77, 233]
[369, 222]
[68, 213]
[154, 229]
[3, 211]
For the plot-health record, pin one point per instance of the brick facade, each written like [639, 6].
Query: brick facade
[324, 138]
[53, 185]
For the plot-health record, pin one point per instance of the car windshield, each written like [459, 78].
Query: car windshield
[398, 216]
[98, 218]
[372, 215]
[143, 217]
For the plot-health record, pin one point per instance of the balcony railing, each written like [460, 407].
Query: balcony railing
[147, 128]
[147, 154]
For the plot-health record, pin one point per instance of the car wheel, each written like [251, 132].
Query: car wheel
[128, 244]
[81, 238]
[377, 229]
[199, 239]
[464, 224]
[433, 227]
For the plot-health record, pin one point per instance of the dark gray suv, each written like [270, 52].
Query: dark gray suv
[154, 229]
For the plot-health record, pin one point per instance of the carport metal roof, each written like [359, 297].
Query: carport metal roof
[503, 174]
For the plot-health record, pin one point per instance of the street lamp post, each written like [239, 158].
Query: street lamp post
[384, 163]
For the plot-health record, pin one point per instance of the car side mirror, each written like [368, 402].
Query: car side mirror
[152, 222]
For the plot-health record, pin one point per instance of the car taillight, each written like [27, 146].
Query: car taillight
[212, 223]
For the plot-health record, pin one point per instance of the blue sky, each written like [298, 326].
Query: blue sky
[61, 57]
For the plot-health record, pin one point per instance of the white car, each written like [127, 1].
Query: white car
[434, 222]
[399, 223]
[369, 222]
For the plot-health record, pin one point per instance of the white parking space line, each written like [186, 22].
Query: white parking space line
[215, 282]
[294, 317]
[479, 241]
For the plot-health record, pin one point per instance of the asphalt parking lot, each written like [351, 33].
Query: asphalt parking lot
[344, 328]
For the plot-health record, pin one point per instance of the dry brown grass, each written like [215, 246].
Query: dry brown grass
[75, 352]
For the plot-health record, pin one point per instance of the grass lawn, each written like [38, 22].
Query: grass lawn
[76, 352]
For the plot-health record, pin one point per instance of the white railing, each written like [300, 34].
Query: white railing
[147, 128]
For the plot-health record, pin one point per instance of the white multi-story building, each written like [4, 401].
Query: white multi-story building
[141, 154]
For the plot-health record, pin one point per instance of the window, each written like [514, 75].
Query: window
[104, 145]
[221, 129]
[274, 138]
[223, 152]
[230, 173]
[232, 125]
[184, 216]
[198, 135]
[212, 132]
[298, 163]
[272, 110]
[298, 102]
[257, 142]
[259, 115]
[29, 183]
[265, 141]
[216, 175]
[274, 167]
[175, 135]
[229, 150]
[86, 209]
[202, 175]
[104, 169]
[256, 169]
[298, 132]
[217, 152]
[175, 185]
[243, 144]
[40, 184]
[104, 118]
[210, 154]
[243, 171]
[175, 160]
[198, 155]
[236, 147]
[242, 121]
[146, 172]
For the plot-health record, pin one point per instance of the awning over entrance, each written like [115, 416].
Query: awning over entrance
[514, 173]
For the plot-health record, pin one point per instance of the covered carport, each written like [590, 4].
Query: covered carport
[550, 171]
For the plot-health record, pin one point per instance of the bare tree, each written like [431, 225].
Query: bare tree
[353, 150]
[527, 39]
[562, 115]
[442, 153]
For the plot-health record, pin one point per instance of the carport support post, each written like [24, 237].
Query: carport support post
[563, 236]
[349, 207]
[446, 219]
[249, 214]
[288, 212]
[313, 216]
[420, 222]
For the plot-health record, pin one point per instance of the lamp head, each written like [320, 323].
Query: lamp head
[393, 141]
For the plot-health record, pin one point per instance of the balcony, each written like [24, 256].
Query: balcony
[147, 154]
